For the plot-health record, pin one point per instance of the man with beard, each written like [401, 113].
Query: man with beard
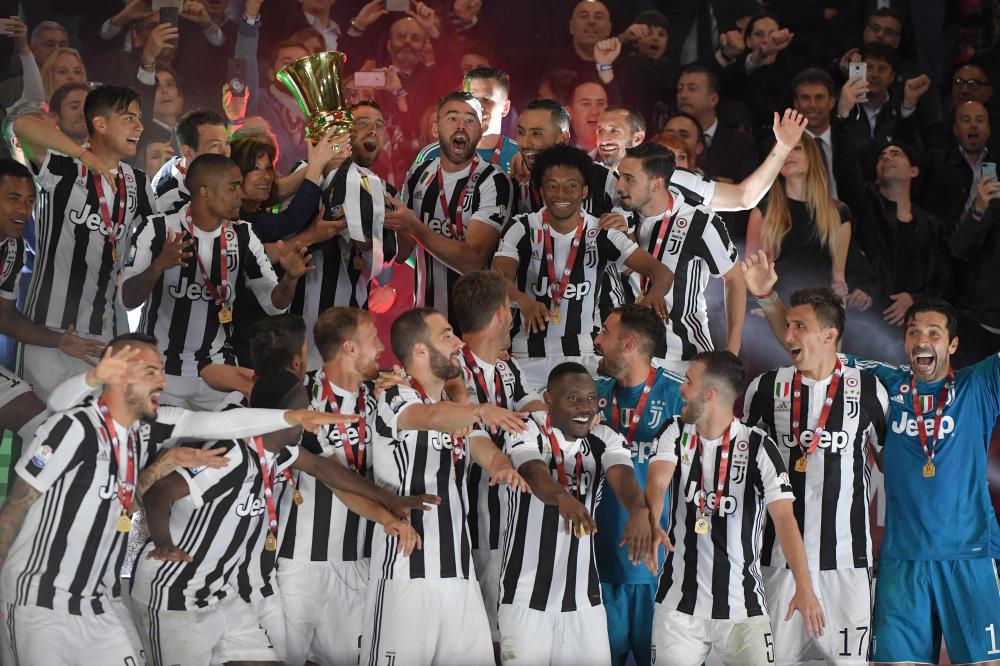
[435, 588]
[91, 202]
[618, 129]
[455, 207]
[550, 599]
[198, 132]
[79, 483]
[937, 576]
[691, 240]
[823, 417]
[189, 266]
[483, 309]
[555, 258]
[725, 474]
[636, 400]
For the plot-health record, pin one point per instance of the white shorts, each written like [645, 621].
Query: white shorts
[11, 386]
[271, 615]
[680, 639]
[35, 636]
[229, 630]
[424, 622]
[488, 564]
[577, 638]
[535, 371]
[45, 368]
[846, 597]
[323, 604]
[191, 393]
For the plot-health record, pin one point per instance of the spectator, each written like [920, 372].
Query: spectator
[45, 39]
[155, 149]
[198, 132]
[558, 85]
[64, 65]
[646, 78]
[814, 96]
[311, 39]
[677, 147]
[588, 101]
[685, 128]
[276, 104]
[589, 23]
[168, 104]
[66, 106]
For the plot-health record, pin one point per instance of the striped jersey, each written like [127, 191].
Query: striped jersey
[501, 158]
[322, 529]
[523, 241]
[417, 462]
[717, 575]
[543, 567]
[67, 554]
[168, 186]
[695, 246]
[74, 281]
[181, 311]
[499, 384]
[12, 259]
[831, 495]
[221, 524]
[486, 197]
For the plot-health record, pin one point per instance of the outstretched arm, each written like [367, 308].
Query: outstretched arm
[375, 512]
[637, 536]
[544, 487]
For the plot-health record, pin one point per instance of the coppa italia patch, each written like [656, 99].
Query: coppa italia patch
[42, 456]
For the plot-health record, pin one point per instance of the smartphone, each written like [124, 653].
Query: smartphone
[989, 171]
[169, 15]
[859, 70]
[236, 76]
[6, 27]
[397, 5]
[369, 79]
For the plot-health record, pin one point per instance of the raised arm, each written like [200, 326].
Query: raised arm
[760, 277]
[497, 465]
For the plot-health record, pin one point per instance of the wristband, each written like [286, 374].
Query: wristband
[976, 215]
[400, 93]
[251, 21]
[148, 65]
[605, 68]
[770, 298]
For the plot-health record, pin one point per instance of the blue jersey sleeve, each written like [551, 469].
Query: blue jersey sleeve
[985, 376]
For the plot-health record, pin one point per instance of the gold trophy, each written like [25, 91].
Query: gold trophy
[315, 82]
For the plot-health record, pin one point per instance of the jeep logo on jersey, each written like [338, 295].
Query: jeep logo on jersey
[642, 452]
[352, 434]
[907, 424]
[586, 481]
[91, 218]
[574, 291]
[445, 227]
[835, 441]
[726, 504]
[251, 506]
[193, 290]
[442, 441]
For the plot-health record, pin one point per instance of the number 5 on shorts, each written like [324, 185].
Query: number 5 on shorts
[769, 645]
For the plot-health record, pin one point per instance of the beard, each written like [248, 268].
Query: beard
[610, 366]
[692, 411]
[456, 154]
[442, 366]
[139, 405]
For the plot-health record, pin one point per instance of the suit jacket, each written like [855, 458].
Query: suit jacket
[946, 183]
[732, 155]
[889, 125]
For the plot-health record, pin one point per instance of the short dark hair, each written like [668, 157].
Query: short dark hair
[459, 96]
[685, 114]
[635, 120]
[13, 169]
[275, 341]
[911, 152]
[881, 51]
[562, 82]
[814, 76]
[757, 16]
[119, 342]
[564, 369]
[657, 161]
[653, 19]
[334, 326]
[409, 329]
[107, 99]
[887, 12]
[247, 147]
[272, 389]
[712, 77]
[827, 305]
[723, 367]
[646, 326]
[187, 126]
[560, 116]
[62, 92]
[283, 44]
[479, 47]
[476, 296]
[930, 304]
[204, 168]
[367, 102]
[487, 74]
[561, 155]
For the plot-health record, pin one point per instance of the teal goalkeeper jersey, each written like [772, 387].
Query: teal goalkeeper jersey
[507, 152]
[664, 401]
[948, 516]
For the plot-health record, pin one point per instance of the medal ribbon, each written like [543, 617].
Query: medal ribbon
[109, 225]
[831, 393]
[497, 150]
[479, 376]
[938, 414]
[356, 460]
[458, 443]
[556, 292]
[126, 486]
[457, 228]
[657, 249]
[557, 457]
[723, 470]
[267, 472]
[223, 265]
[637, 413]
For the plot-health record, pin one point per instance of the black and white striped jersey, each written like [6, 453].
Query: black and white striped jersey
[417, 462]
[169, 188]
[68, 553]
[322, 529]
[487, 197]
[717, 575]
[181, 311]
[498, 384]
[695, 246]
[543, 567]
[75, 279]
[221, 524]
[12, 258]
[523, 241]
[831, 496]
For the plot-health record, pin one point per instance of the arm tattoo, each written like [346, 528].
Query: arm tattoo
[162, 466]
[21, 497]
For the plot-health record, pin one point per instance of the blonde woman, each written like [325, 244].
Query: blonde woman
[63, 66]
[803, 229]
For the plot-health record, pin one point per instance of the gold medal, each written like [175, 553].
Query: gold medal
[580, 531]
[124, 523]
[297, 497]
[701, 526]
[114, 253]
[225, 315]
[929, 469]
[554, 316]
[801, 464]
[270, 543]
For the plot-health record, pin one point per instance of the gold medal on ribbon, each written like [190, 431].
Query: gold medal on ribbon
[701, 526]
[114, 253]
[124, 523]
[297, 497]
[580, 531]
[929, 469]
[225, 315]
[270, 543]
[801, 464]
[554, 316]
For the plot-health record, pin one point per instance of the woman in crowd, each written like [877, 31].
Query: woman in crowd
[64, 66]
